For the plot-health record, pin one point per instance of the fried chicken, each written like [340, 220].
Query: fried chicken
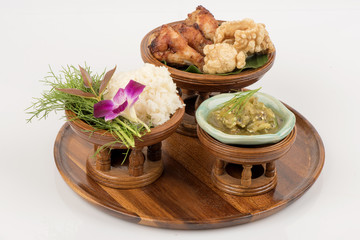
[173, 48]
[205, 20]
[194, 37]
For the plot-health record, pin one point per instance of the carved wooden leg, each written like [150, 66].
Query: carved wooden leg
[154, 152]
[202, 97]
[189, 97]
[185, 93]
[246, 175]
[136, 162]
[103, 162]
[270, 169]
[219, 167]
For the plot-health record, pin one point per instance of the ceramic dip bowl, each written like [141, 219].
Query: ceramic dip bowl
[279, 109]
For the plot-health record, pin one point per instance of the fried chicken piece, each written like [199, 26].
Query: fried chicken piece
[205, 20]
[173, 48]
[193, 35]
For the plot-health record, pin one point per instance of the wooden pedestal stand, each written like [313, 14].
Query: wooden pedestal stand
[245, 171]
[140, 169]
[197, 87]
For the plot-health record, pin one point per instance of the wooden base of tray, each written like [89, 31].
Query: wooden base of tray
[184, 197]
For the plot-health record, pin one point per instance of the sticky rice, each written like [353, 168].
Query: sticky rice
[158, 100]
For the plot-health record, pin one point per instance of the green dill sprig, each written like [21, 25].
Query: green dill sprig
[237, 103]
[61, 97]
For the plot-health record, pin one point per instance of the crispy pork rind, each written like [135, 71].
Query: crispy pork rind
[219, 58]
[227, 29]
[248, 36]
[240, 60]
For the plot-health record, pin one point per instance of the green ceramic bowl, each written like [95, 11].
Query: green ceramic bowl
[285, 114]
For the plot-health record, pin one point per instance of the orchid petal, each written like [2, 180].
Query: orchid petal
[111, 116]
[133, 114]
[121, 104]
[103, 108]
[119, 97]
[121, 108]
[134, 101]
[130, 113]
[133, 90]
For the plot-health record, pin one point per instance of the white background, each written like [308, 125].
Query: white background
[316, 71]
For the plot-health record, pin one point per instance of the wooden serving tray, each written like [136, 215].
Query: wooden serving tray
[184, 197]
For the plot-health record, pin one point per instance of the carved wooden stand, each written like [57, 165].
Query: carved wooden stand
[192, 99]
[245, 171]
[137, 171]
[144, 164]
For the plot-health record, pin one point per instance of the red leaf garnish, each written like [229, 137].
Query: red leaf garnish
[106, 80]
[86, 77]
[76, 92]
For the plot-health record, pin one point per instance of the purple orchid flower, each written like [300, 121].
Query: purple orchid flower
[121, 104]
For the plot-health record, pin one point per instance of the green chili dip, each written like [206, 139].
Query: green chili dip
[254, 119]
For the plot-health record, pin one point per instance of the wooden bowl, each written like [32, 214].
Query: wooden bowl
[101, 137]
[205, 82]
[140, 169]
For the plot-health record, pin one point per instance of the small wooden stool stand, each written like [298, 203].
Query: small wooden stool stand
[245, 171]
[140, 171]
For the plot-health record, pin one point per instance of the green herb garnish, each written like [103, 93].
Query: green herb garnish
[193, 69]
[78, 91]
[237, 103]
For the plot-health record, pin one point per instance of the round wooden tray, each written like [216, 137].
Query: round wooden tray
[184, 197]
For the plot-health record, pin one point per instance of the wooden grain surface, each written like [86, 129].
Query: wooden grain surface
[184, 197]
